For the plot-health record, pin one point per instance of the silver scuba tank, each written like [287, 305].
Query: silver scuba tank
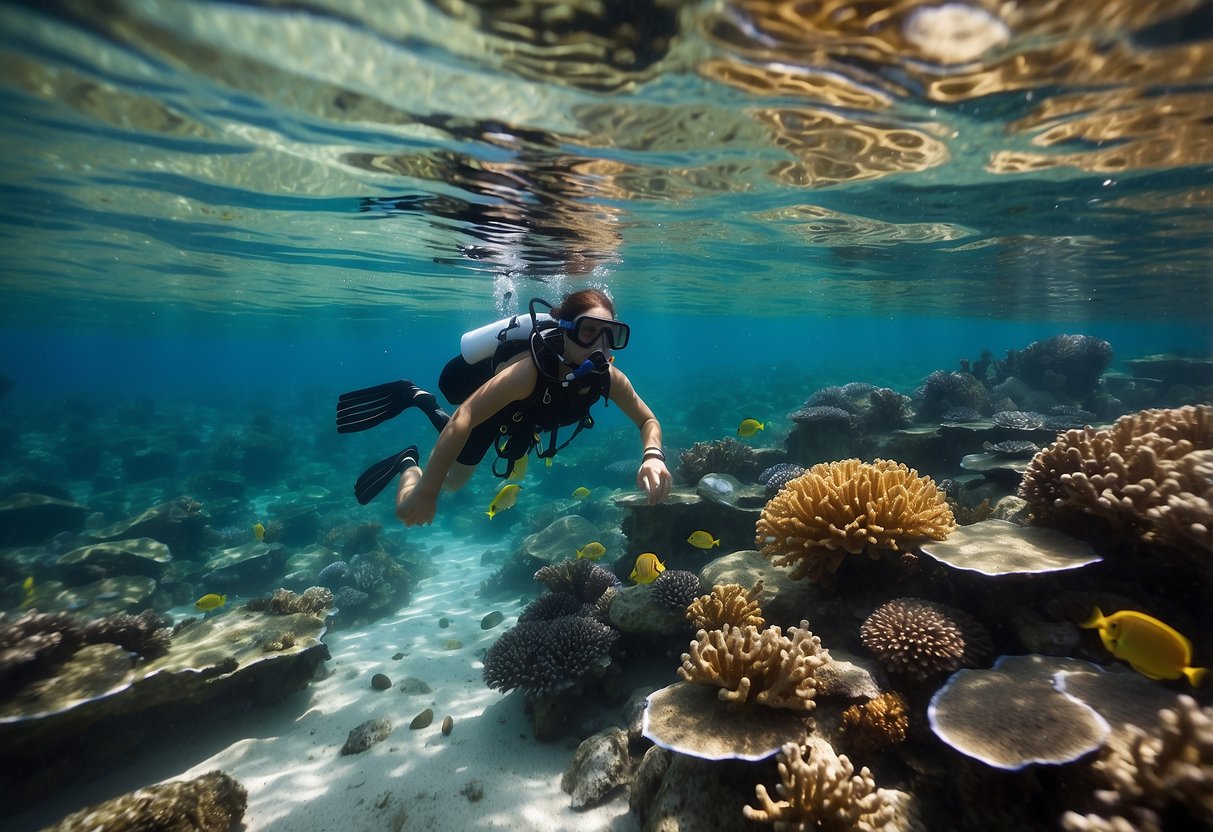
[482, 342]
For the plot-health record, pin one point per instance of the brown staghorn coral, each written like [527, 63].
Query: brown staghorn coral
[847, 507]
[878, 723]
[1135, 476]
[727, 606]
[762, 667]
[920, 639]
[1160, 779]
[821, 791]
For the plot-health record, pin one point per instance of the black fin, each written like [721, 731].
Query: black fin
[363, 409]
[376, 478]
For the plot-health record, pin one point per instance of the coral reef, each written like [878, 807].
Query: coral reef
[720, 456]
[725, 607]
[1067, 364]
[1134, 477]
[35, 643]
[848, 507]
[752, 666]
[943, 391]
[920, 639]
[214, 802]
[147, 634]
[674, 589]
[1160, 778]
[1019, 419]
[777, 476]
[887, 410]
[545, 657]
[876, 724]
[583, 579]
[314, 601]
[818, 790]
[551, 605]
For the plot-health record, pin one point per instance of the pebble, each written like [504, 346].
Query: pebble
[452, 644]
[444, 622]
[397, 657]
[380, 682]
[447, 724]
[423, 719]
[492, 620]
[366, 735]
[414, 685]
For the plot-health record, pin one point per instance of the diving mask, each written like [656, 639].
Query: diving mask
[585, 330]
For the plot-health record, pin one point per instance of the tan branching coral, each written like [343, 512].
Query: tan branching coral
[1147, 475]
[878, 723]
[821, 791]
[920, 639]
[849, 507]
[1159, 775]
[727, 606]
[762, 667]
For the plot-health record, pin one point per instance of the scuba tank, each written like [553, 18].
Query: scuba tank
[482, 343]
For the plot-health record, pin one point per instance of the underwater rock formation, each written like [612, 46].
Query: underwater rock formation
[600, 764]
[214, 802]
[1069, 365]
[850, 507]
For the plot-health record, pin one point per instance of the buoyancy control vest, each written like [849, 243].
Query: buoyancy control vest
[560, 399]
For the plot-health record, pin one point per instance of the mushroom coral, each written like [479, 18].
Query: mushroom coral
[728, 605]
[1159, 778]
[821, 791]
[1148, 475]
[920, 639]
[762, 667]
[847, 507]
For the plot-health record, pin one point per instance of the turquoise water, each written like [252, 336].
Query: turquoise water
[220, 215]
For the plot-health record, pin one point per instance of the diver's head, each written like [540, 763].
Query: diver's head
[587, 320]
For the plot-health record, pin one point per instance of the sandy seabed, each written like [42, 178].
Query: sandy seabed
[489, 773]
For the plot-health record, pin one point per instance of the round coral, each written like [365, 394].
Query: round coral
[544, 657]
[878, 723]
[920, 639]
[674, 589]
[846, 507]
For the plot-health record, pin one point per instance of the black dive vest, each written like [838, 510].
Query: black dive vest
[549, 407]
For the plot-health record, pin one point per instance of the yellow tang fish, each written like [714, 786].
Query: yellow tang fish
[749, 427]
[259, 532]
[210, 602]
[1149, 646]
[28, 585]
[519, 470]
[593, 551]
[580, 493]
[505, 498]
[703, 540]
[647, 569]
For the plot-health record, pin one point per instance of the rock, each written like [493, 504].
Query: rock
[634, 609]
[180, 524]
[561, 540]
[633, 713]
[26, 519]
[413, 685]
[848, 677]
[365, 735]
[1010, 508]
[444, 622]
[380, 682]
[727, 490]
[125, 593]
[600, 765]
[679, 805]
[248, 565]
[423, 719]
[213, 802]
[492, 620]
[136, 556]
[448, 723]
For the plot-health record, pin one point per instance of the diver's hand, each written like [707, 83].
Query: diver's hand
[417, 509]
[654, 479]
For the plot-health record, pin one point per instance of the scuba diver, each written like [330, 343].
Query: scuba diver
[513, 381]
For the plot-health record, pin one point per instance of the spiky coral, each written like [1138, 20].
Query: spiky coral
[762, 667]
[846, 507]
[727, 606]
[822, 792]
[721, 456]
[877, 723]
[921, 639]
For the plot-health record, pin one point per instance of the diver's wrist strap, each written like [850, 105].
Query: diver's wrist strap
[653, 452]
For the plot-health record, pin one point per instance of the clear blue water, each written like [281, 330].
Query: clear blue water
[242, 208]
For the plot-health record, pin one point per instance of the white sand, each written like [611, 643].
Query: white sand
[288, 756]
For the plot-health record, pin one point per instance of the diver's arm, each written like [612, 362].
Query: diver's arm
[513, 383]
[653, 477]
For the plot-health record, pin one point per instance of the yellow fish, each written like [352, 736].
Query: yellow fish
[593, 551]
[210, 602]
[259, 532]
[1149, 646]
[580, 493]
[749, 427]
[505, 498]
[519, 469]
[703, 540]
[27, 586]
[647, 569]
